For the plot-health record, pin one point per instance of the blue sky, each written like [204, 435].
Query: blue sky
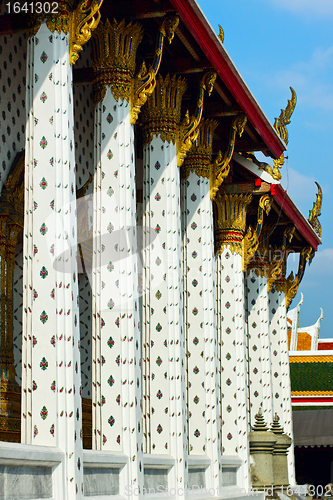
[276, 44]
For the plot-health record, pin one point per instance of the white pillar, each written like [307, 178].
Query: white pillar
[116, 395]
[51, 402]
[162, 326]
[199, 305]
[281, 389]
[229, 233]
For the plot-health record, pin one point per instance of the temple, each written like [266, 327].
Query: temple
[311, 374]
[143, 259]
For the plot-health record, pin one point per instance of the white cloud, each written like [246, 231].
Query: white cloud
[308, 78]
[318, 8]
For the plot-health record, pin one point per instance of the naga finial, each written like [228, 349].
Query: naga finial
[169, 26]
[208, 81]
[145, 81]
[188, 131]
[221, 167]
[281, 123]
[85, 19]
[251, 239]
[292, 283]
[221, 34]
[316, 212]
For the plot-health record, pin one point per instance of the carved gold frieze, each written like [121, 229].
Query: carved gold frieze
[251, 238]
[161, 115]
[199, 158]
[188, 131]
[316, 212]
[221, 166]
[230, 221]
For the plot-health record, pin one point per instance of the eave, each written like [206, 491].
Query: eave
[192, 16]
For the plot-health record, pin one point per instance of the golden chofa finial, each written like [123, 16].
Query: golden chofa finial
[281, 123]
[316, 212]
[221, 33]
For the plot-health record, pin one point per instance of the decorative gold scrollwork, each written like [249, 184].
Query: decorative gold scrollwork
[145, 81]
[188, 131]
[316, 212]
[251, 239]
[84, 20]
[221, 166]
[292, 283]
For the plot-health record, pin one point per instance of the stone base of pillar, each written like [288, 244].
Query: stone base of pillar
[280, 457]
[262, 443]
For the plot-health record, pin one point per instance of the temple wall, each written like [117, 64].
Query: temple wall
[13, 53]
[18, 304]
[83, 123]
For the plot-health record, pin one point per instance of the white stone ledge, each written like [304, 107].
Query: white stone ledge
[198, 461]
[104, 459]
[30, 455]
[151, 461]
[230, 461]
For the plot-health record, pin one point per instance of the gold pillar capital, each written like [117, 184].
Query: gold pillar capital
[199, 158]
[115, 46]
[230, 221]
[161, 115]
